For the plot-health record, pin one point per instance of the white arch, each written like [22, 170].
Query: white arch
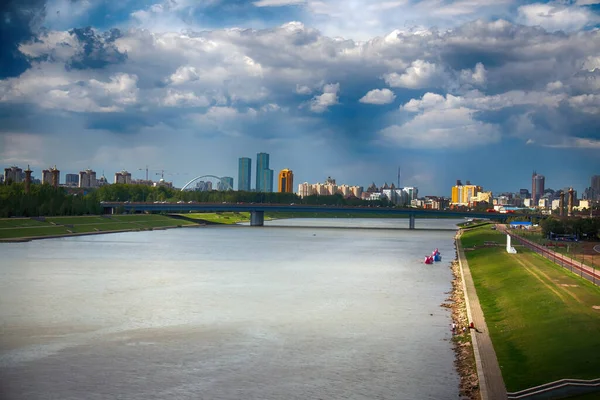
[204, 176]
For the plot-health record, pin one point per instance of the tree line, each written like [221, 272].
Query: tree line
[45, 200]
[582, 228]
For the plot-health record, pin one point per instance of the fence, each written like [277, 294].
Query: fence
[574, 266]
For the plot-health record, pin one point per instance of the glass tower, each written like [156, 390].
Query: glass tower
[262, 181]
[244, 174]
[266, 180]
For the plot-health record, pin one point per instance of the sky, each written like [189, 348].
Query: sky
[480, 90]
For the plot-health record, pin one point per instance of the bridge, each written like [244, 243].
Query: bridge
[257, 210]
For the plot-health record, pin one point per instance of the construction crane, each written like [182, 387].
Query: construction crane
[162, 173]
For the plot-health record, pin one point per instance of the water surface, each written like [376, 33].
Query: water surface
[229, 313]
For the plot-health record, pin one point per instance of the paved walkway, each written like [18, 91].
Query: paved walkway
[490, 377]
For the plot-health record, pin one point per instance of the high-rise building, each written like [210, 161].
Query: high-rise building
[13, 174]
[51, 176]
[266, 178]
[286, 181]
[595, 185]
[87, 179]
[72, 180]
[226, 183]
[464, 195]
[245, 174]
[123, 177]
[537, 187]
[262, 163]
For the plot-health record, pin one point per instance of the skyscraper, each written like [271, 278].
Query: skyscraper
[596, 187]
[537, 187]
[262, 162]
[264, 175]
[267, 180]
[244, 174]
[286, 181]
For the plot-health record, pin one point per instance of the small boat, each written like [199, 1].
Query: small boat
[428, 259]
[437, 256]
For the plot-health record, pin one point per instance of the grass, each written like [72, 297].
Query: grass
[19, 222]
[22, 228]
[227, 218]
[471, 225]
[540, 317]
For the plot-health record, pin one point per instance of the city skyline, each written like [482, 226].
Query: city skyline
[485, 91]
[446, 190]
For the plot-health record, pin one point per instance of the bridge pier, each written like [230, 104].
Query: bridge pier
[411, 221]
[257, 218]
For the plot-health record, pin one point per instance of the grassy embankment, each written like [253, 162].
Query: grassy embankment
[18, 228]
[541, 318]
[582, 251]
[474, 224]
[224, 218]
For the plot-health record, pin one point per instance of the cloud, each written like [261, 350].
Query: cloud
[477, 84]
[443, 128]
[555, 17]
[378, 96]
[278, 3]
[329, 98]
[20, 21]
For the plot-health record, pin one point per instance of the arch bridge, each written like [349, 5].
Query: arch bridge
[221, 181]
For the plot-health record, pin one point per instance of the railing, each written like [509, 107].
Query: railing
[574, 266]
[557, 390]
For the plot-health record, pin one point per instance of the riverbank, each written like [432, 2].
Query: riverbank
[26, 229]
[526, 300]
[461, 337]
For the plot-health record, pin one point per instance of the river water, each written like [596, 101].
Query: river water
[230, 313]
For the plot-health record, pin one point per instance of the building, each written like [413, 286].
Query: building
[123, 177]
[462, 194]
[267, 180]
[71, 180]
[264, 175]
[87, 179]
[245, 174]
[286, 181]
[537, 187]
[524, 194]
[144, 182]
[595, 185]
[51, 176]
[226, 183]
[13, 174]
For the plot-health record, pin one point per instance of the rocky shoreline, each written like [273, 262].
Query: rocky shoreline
[461, 338]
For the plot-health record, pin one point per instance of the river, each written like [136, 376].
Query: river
[230, 313]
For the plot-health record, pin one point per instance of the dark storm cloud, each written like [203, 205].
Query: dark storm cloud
[98, 50]
[19, 20]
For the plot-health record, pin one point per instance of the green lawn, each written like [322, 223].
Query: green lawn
[19, 222]
[227, 218]
[25, 228]
[540, 317]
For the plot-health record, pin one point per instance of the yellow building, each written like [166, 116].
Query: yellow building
[286, 181]
[462, 194]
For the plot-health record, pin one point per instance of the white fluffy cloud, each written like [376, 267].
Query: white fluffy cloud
[378, 96]
[554, 17]
[235, 73]
[443, 128]
[329, 98]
